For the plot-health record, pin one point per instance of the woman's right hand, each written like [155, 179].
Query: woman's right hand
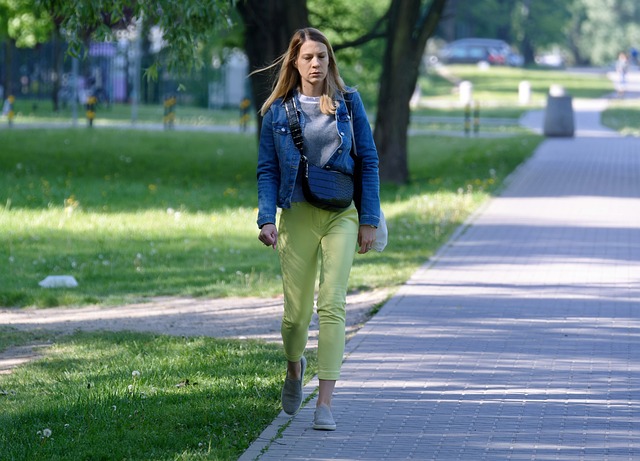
[269, 235]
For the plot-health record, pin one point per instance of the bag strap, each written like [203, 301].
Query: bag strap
[294, 123]
[348, 102]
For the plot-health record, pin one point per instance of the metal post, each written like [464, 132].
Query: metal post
[467, 118]
[135, 99]
[74, 91]
[476, 118]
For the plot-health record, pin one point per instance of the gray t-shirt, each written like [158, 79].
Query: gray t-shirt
[320, 135]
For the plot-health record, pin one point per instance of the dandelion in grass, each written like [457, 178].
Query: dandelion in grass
[231, 192]
[137, 262]
[70, 205]
[46, 433]
[135, 374]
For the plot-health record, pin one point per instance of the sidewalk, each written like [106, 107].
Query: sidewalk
[519, 340]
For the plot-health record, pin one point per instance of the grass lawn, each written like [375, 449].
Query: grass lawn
[34, 111]
[623, 116]
[105, 396]
[496, 89]
[133, 215]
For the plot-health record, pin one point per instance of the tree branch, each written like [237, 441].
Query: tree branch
[373, 34]
[428, 22]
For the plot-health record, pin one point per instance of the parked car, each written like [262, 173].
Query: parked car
[550, 60]
[475, 50]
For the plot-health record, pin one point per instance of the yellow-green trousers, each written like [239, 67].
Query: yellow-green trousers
[310, 239]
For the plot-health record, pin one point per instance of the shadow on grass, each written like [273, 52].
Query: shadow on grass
[192, 398]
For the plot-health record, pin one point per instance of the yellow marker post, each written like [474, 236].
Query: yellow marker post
[169, 112]
[244, 113]
[91, 109]
[10, 111]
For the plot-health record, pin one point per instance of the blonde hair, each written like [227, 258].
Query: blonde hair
[289, 77]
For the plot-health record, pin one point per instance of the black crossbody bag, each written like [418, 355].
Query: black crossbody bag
[323, 188]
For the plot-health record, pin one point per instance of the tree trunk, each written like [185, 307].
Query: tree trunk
[410, 25]
[8, 58]
[268, 29]
[58, 71]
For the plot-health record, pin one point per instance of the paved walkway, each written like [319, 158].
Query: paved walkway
[519, 341]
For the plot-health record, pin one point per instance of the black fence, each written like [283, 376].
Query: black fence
[108, 72]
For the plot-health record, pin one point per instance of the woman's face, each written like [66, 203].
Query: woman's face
[312, 64]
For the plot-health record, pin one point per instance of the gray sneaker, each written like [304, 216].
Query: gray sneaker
[292, 391]
[323, 419]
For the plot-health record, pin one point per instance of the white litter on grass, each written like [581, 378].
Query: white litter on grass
[58, 281]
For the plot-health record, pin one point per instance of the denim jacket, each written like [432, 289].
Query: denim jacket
[278, 160]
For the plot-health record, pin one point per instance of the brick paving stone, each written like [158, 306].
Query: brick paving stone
[520, 340]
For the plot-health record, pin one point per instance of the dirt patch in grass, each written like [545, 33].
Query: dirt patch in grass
[241, 318]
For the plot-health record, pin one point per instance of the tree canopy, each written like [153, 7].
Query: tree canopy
[24, 22]
[185, 24]
[590, 31]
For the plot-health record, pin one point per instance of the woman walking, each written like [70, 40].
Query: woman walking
[309, 238]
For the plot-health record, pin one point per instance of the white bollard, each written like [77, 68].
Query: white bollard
[466, 92]
[524, 93]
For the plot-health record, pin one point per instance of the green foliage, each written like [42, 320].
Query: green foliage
[602, 29]
[484, 18]
[542, 23]
[185, 24]
[139, 396]
[25, 22]
[360, 66]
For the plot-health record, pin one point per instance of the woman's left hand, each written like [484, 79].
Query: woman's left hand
[366, 237]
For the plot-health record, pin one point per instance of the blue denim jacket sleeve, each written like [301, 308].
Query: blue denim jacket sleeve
[278, 161]
[368, 154]
[268, 173]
